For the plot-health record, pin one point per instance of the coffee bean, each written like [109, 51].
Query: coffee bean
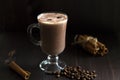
[66, 70]
[83, 71]
[94, 71]
[94, 75]
[83, 78]
[82, 75]
[72, 74]
[87, 77]
[72, 77]
[65, 73]
[76, 73]
[58, 75]
[87, 72]
[78, 78]
[75, 70]
[79, 70]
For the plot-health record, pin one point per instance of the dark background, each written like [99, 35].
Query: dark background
[101, 18]
[84, 15]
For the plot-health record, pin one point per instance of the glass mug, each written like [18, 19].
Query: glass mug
[52, 27]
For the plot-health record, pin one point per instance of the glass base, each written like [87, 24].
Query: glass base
[52, 64]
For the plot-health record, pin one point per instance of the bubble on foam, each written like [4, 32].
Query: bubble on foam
[49, 19]
[58, 17]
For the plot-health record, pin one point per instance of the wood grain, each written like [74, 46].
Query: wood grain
[29, 56]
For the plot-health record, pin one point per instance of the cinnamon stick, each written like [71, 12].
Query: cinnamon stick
[90, 44]
[19, 70]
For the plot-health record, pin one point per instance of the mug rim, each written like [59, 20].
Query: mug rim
[66, 16]
[60, 12]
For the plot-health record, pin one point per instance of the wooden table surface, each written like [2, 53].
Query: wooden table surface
[28, 56]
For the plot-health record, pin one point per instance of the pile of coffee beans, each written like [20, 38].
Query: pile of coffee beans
[76, 73]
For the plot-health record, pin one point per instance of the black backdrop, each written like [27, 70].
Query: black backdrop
[84, 15]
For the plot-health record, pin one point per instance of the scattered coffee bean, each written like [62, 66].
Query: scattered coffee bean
[84, 79]
[76, 73]
[94, 75]
[94, 71]
[65, 73]
[58, 75]
[72, 74]
[87, 72]
[72, 77]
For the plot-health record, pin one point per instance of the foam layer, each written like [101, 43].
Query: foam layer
[52, 18]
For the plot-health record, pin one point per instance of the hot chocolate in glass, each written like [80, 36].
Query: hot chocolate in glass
[52, 33]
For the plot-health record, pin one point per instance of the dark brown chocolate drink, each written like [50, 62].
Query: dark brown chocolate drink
[53, 31]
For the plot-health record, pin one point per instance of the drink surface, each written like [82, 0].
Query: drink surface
[52, 31]
[52, 18]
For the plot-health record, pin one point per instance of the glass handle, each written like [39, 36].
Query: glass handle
[30, 33]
